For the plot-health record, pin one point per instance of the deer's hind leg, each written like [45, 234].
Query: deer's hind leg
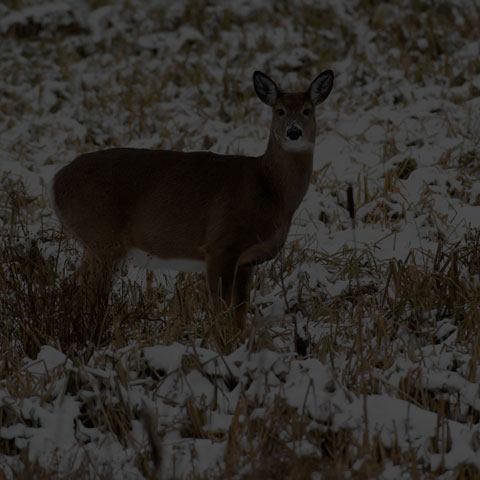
[229, 282]
[94, 281]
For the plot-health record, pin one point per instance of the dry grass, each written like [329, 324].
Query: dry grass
[364, 322]
[388, 310]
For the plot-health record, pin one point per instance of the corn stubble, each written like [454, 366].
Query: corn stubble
[39, 303]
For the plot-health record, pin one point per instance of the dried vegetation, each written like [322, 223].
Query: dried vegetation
[386, 332]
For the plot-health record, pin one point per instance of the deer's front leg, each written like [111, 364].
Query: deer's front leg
[241, 293]
[220, 273]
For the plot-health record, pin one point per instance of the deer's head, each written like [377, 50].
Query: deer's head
[293, 121]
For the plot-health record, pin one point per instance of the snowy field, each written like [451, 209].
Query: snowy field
[362, 350]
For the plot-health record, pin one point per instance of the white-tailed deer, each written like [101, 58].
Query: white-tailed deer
[229, 211]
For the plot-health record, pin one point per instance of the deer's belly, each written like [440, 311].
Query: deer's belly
[146, 260]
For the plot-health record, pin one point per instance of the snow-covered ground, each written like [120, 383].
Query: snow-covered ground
[402, 126]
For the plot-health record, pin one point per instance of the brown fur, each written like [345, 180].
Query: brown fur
[230, 211]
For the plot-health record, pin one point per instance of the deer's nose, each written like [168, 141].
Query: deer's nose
[294, 133]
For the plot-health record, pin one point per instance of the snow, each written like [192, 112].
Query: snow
[47, 360]
[376, 118]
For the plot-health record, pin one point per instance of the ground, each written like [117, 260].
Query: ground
[361, 355]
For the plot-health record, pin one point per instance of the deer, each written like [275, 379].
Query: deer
[230, 212]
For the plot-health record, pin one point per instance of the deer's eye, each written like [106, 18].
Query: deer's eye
[281, 112]
[307, 112]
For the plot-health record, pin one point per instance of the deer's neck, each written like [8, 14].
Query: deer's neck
[290, 172]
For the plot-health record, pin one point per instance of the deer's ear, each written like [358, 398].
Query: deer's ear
[321, 87]
[265, 88]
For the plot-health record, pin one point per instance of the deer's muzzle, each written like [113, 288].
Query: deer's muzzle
[293, 132]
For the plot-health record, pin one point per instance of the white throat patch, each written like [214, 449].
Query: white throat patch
[299, 145]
